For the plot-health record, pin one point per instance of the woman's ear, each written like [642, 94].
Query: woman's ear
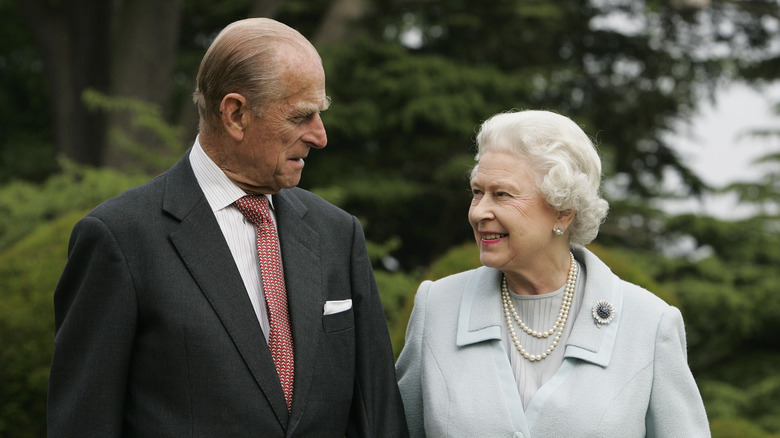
[565, 218]
[235, 115]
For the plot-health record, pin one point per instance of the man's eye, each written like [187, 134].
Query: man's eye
[301, 118]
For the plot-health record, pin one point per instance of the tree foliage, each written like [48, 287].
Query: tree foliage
[626, 70]
[25, 206]
[419, 77]
[29, 270]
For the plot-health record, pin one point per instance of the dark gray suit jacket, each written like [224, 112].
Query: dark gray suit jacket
[156, 336]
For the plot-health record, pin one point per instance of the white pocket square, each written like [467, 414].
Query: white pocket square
[337, 306]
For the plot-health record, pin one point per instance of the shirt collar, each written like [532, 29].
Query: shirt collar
[219, 190]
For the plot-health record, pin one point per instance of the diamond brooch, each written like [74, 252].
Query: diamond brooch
[603, 312]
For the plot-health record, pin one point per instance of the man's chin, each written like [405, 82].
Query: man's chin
[289, 182]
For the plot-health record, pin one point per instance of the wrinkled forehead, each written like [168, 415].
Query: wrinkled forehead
[503, 168]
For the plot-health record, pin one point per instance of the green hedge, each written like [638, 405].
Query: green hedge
[30, 270]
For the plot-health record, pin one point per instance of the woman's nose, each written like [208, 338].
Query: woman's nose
[480, 210]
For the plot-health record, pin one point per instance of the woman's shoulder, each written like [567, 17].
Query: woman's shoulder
[451, 287]
[638, 304]
[458, 277]
[642, 306]
[603, 277]
[642, 296]
[456, 281]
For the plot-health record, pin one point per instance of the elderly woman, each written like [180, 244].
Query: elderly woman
[543, 340]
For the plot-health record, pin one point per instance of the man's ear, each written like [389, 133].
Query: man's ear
[235, 115]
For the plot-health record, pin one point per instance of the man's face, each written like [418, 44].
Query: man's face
[271, 155]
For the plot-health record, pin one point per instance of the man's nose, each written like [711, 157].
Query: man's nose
[316, 136]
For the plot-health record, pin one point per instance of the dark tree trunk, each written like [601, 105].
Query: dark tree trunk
[73, 38]
[335, 26]
[144, 45]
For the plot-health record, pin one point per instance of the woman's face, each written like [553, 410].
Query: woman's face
[512, 224]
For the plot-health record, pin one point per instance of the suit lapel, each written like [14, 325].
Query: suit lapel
[301, 248]
[203, 249]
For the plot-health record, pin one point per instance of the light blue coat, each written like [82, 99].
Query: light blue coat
[629, 378]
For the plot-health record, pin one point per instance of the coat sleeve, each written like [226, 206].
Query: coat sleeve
[95, 320]
[377, 409]
[409, 366]
[676, 408]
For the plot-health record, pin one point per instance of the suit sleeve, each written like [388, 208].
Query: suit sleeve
[377, 409]
[95, 319]
[676, 408]
[409, 366]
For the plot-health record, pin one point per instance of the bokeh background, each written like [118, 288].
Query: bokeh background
[95, 97]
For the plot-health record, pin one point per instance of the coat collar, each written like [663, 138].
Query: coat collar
[480, 319]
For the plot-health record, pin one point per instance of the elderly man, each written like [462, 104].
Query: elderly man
[219, 300]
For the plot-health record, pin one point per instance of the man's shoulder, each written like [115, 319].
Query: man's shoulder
[179, 181]
[133, 198]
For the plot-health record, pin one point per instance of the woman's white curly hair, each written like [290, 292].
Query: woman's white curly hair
[567, 166]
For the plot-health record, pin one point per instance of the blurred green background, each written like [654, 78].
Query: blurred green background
[95, 99]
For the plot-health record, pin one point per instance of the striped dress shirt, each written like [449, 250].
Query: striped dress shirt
[239, 233]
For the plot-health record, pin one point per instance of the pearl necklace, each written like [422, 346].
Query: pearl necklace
[556, 329]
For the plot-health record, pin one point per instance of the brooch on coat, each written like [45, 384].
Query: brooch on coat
[603, 312]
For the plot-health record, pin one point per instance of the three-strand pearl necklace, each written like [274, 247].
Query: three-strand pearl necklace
[558, 326]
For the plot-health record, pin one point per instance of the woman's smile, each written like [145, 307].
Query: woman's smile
[492, 238]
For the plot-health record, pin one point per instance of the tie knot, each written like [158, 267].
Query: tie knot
[254, 208]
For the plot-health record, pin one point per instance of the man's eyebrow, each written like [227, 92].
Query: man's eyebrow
[326, 104]
[309, 109]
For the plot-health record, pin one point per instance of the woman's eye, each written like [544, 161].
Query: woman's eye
[475, 193]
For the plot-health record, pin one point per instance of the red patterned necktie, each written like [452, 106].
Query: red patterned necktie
[255, 209]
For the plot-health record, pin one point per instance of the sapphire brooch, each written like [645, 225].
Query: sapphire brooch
[603, 312]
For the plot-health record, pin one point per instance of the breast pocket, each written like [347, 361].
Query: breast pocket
[337, 322]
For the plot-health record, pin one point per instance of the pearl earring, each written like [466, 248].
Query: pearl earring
[558, 230]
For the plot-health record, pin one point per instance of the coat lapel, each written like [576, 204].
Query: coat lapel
[480, 321]
[301, 248]
[588, 341]
[203, 249]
